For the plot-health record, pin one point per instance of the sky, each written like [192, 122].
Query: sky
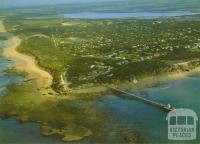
[18, 3]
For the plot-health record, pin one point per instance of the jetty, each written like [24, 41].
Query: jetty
[128, 95]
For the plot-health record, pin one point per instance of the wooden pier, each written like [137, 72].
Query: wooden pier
[131, 96]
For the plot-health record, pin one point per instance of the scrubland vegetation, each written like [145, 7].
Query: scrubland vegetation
[95, 52]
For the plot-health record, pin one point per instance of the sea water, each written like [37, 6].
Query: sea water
[12, 131]
[150, 122]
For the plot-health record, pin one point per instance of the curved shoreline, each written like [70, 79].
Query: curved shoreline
[25, 63]
[152, 81]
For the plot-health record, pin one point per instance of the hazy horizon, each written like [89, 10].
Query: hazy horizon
[114, 5]
[22, 3]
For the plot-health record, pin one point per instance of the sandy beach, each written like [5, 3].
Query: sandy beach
[25, 63]
[151, 81]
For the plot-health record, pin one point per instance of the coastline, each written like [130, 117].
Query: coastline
[149, 81]
[152, 81]
[27, 64]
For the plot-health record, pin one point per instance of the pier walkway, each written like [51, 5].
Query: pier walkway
[131, 96]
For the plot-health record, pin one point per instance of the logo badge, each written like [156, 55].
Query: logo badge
[182, 124]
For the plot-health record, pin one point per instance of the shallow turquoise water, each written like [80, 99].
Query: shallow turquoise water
[149, 122]
[5, 64]
[10, 130]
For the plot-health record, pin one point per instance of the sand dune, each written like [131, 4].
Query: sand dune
[25, 63]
